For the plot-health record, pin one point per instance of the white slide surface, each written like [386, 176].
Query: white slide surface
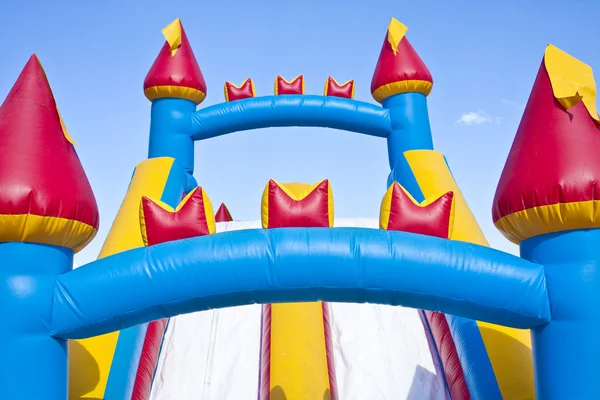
[380, 352]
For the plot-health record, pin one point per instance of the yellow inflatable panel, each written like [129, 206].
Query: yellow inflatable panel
[90, 359]
[509, 349]
[298, 352]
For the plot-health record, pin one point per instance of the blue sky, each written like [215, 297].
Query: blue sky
[483, 56]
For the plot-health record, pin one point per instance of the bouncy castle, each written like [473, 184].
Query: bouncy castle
[188, 303]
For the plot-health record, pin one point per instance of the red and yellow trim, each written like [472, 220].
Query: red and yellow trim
[434, 216]
[333, 88]
[399, 87]
[193, 216]
[283, 86]
[540, 220]
[296, 348]
[175, 92]
[46, 230]
[296, 192]
[244, 91]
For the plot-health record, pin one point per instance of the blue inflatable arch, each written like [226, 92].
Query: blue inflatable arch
[338, 264]
[282, 265]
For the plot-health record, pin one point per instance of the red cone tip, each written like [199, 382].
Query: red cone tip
[223, 214]
[175, 72]
[40, 173]
[554, 157]
[399, 68]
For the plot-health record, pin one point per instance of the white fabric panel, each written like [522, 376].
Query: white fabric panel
[380, 352]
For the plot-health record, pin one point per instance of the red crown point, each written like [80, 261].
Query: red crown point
[297, 205]
[554, 159]
[332, 88]
[401, 212]
[161, 223]
[175, 72]
[223, 214]
[244, 91]
[45, 196]
[399, 68]
[295, 86]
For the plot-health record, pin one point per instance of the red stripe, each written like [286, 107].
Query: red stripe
[149, 359]
[329, 351]
[264, 384]
[444, 342]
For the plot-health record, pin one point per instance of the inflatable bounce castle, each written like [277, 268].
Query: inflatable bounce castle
[186, 303]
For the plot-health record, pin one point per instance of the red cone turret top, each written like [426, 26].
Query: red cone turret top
[223, 214]
[399, 68]
[551, 180]
[175, 72]
[45, 196]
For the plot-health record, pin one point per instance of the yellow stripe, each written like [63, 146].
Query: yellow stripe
[91, 358]
[47, 230]
[559, 217]
[509, 349]
[386, 208]
[177, 92]
[408, 86]
[209, 213]
[298, 354]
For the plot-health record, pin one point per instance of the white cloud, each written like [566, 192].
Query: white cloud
[477, 118]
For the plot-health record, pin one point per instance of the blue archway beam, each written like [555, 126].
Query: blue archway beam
[292, 265]
[291, 110]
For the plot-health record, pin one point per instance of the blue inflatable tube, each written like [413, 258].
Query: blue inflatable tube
[477, 368]
[299, 264]
[291, 110]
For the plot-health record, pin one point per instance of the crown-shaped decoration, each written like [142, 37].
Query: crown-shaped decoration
[295, 86]
[401, 212]
[332, 88]
[45, 196]
[161, 223]
[297, 205]
[244, 91]
[551, 179]
[399, 68]
[175, 72]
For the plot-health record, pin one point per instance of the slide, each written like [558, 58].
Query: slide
[380, 352]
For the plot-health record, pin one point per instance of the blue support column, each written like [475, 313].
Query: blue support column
[34, 365]
[566, 353]
[170, 131]
[410, 131]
